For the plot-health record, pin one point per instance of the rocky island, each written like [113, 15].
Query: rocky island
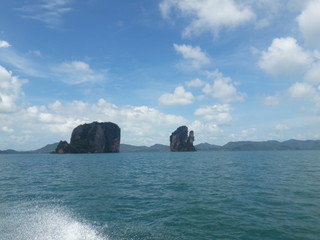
[94, 137]
[180, 141]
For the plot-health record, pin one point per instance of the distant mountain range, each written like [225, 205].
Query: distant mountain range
[123, 148]
[46, 149]
[153, 148]
[262, 146]
[231, 146]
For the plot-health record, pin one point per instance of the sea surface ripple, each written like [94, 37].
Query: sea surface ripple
[192, 196]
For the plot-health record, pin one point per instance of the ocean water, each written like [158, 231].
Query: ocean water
[136, 196]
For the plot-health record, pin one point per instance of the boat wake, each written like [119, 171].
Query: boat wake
[52, 223]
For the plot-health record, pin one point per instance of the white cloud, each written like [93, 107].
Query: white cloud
[77, 72]
[193, 56]
[139, 124]
[195, 83]
[285, 58]
[19, 139]
[266, 10]
[316, 54]
[223, 89]
[281, 127]
[4, 44]
[70, 72]
[302, 90]
[205, 132]
[76, 66]
[7, 129]
[248, 132]
[313, 74]
[10, 90]
[20, 62]
[50, 12]
[208, 15]
[272, 100]
[309, 21]
[219, 113]
[179, 97]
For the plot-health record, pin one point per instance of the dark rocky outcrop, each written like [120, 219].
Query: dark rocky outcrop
[180, 141]
[92, 138]
[62, 147]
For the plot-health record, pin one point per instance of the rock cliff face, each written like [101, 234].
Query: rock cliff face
[62, 147]
[93, 138]
[180, 141]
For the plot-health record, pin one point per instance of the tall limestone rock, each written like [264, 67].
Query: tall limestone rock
[93, 138]
[180, 141]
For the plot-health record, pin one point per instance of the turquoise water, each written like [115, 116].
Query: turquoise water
[199, 195]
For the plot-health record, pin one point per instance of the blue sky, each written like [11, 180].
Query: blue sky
[228, 69]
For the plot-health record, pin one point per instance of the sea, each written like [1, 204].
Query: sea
[161, 196]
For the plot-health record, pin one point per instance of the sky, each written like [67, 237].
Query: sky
[230, 70]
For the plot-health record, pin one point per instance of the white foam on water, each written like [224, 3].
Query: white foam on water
[48, 224]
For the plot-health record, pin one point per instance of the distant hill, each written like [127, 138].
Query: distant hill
[153, 148]
[46, 149]
[249, 145]
[234, 146]
[131, 148]
[123, 148]
[263, 146]
[9, 151]
[207, 147]
[160, 148]
[231, 146]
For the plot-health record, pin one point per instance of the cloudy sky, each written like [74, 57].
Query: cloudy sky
[228, 69]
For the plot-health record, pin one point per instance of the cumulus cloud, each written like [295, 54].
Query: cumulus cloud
[77, 72]
[139, 124]
[313, 74]
[10, 90]
[223, 89]
[285, 57]
[4, 44]
[195, 83]
[179, 97]
[209, 128]
[309, 21]
[50, 123]
[208, 15]
[205, 132]
[302, 90]
[193, 56]
[219, 113]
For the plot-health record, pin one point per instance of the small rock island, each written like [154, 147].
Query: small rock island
[180, 141]
[93, 137]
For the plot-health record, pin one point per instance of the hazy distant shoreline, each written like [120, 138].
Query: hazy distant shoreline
[271, 145]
